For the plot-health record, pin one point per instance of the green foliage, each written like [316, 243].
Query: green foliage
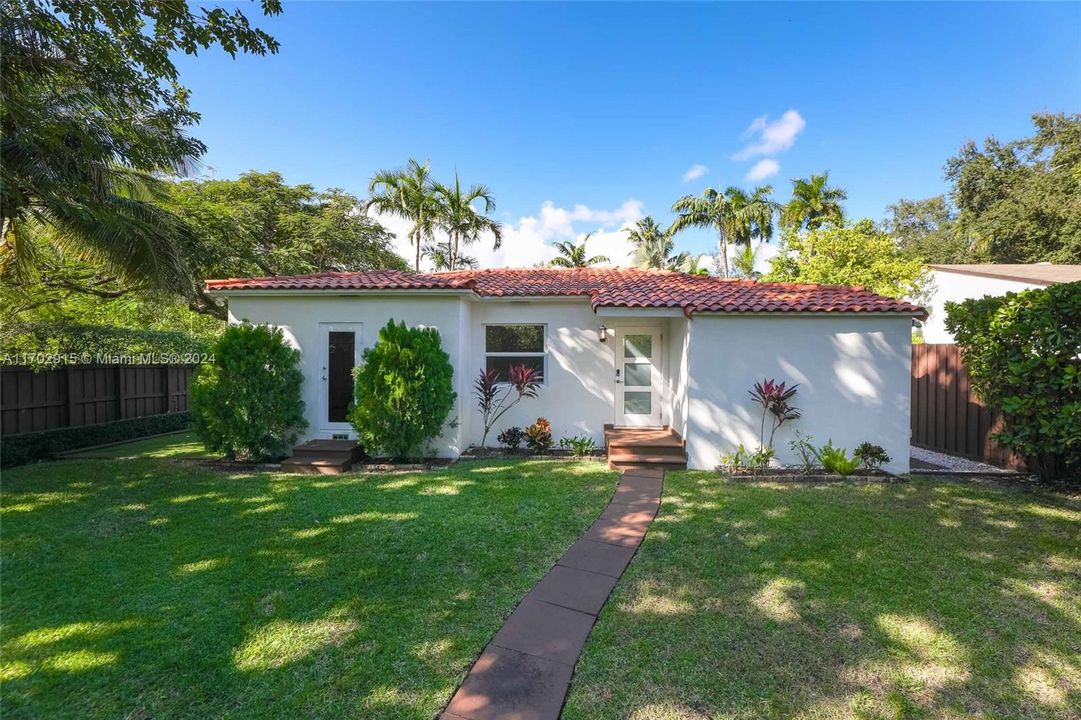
[815, 204]
[836, 460]
[93, 110]
[571, 255]
[457, 216]
[734, 214]
[871, 456]
[408, 193]
[856, 254]
[511, 438]
[743, 458]
[1023, 355]
[404, 391]
[247, 402]
[27, 447]
[538, 436]
[803, 445]
[654, 247]
[49, 345]
[578, 445]
[927, 229]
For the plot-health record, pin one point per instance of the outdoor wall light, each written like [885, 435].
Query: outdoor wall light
[602, 332]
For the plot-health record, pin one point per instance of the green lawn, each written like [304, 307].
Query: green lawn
[907, 600]
[157, 589]
[173, 445]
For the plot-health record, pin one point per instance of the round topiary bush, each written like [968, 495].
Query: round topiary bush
[246, 404]
[404, 391]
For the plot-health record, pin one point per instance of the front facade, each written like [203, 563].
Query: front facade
[615, 347]
[955, 283]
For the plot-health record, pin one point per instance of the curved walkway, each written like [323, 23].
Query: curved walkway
[526, 670]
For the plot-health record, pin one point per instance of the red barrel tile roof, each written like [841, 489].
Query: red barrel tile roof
[606, 287]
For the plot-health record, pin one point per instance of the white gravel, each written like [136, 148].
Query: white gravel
[951, 462]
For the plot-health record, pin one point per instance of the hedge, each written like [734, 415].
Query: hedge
[23, 448]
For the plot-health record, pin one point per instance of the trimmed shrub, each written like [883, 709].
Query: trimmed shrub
[28, 447]
[871, 456]
[404, 391]
[511, 438]
[1023, 355]
[247, 403]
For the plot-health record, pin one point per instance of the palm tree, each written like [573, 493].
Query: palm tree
[695, 266]
[743, 262]
[653, 247]
[814, 203]
[407, 193]
[461, 221]
[440, 256]
[736, 216]
[574, 256]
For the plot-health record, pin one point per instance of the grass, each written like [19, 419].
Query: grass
[842, 600]
[182, 445]
[158, 589]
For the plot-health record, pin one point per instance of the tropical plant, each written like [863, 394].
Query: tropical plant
[1021, 351]
[737, 216]
[654, 248]
[571, 255]
[814, 204]
[803, 445]
[742, 458]
[511, 438]
[836, 460]
[439, 254]
[247, 402]
[743, 261]
[708, 210]
[859, 254]
[751, 214]
[404, 391]
[775, 399]
[695, 266]
[538, 436]
[92, 110]
[458, 217]
[871, 456]
[580, 446]
[408, 193]
[495, 395]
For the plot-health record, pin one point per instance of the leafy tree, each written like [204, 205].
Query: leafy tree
[247, 402]
[857, 254]
[461, 221]
[258, 225]
[1021, 352]
[408, 193]
[654, 247]
[92, 107]
[814, 204]
[573, 255]
[404, 391]
[927, 229]
[1018, 201]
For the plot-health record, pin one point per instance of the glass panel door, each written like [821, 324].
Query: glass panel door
[638, 380]
[341, 351]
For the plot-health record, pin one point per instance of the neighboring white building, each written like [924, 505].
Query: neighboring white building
[616, 346]
[953, 283]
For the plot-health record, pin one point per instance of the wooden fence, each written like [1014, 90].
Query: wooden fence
[947, 416]
[89, 394]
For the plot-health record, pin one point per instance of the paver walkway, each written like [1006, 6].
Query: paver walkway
[526, 670]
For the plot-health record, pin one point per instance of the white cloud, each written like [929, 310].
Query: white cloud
[762, 170]
[769, 138]
[529, 241]
[695, 172]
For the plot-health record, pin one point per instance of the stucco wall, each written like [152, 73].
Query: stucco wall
[954, 287]
[677, 362]
[854, 376]
[299, 316]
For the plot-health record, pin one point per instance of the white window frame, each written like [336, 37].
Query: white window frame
[543, 354]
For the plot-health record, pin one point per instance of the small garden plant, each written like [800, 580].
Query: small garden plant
[496, 395]
[803, 445]
[404, 391]
[775, 399]
[511, 438]
[872, 457]
[746, 460]
[247, 403]
[836, 460]
[579, 446]
[538, 436]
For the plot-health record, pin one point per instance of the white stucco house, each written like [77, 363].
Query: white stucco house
[954, 283]
[620, 347]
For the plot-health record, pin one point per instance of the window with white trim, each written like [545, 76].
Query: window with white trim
[506, 345]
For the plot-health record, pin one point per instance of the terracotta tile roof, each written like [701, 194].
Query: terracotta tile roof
[606, 287]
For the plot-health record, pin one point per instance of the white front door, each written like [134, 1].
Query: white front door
[341, 351]
[638, 376]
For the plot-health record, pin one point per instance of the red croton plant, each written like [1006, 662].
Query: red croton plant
[496, 396]
[774, 397]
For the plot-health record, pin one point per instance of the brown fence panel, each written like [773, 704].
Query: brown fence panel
[89, 394]
[947, 416]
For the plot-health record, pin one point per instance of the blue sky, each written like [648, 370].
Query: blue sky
[581, 116]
